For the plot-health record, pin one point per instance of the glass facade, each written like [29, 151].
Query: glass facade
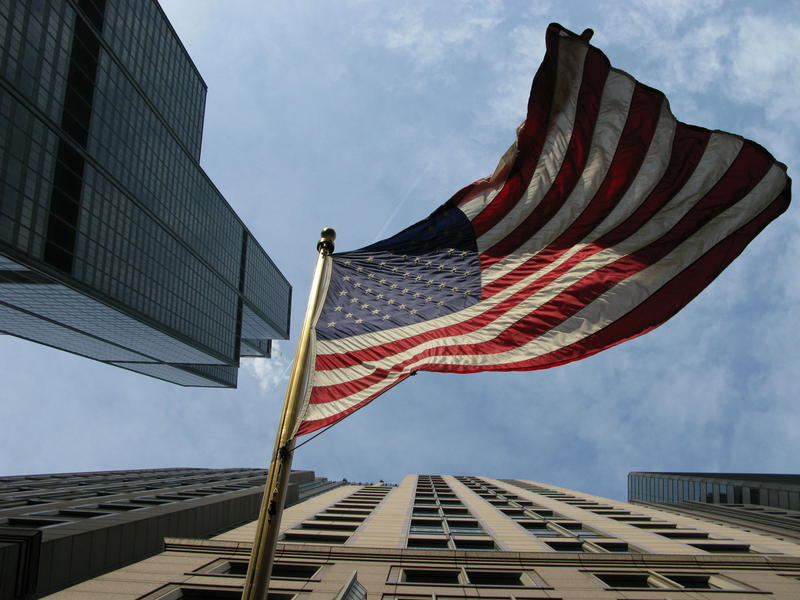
[114, 244]
[775, 490]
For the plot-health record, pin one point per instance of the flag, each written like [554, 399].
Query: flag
[603, 219]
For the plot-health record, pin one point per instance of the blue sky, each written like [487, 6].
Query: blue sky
[365, 116]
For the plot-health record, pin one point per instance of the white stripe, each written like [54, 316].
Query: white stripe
[720, 152]
[571, 56]
[613, 305]
[613, 114]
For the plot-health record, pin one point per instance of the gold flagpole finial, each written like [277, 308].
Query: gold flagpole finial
[326, 238]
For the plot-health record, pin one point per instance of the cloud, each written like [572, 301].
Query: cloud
[271, 373]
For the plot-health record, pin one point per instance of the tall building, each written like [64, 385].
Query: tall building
[757, 501]
[114, 244]
[60, 529]
[443, 537]
[765, 489]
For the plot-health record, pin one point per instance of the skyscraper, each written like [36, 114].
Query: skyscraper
[63, 528]
[114, 244]
[445, 537]
[766, 502]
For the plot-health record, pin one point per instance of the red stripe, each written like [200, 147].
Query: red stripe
[746, 170]
[688, 147]
[651, 313]
[595, 72]
[531, 137]
[689, 144]
[658, 308]
[313, 425]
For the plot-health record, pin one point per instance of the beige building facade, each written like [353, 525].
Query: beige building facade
[445, 537]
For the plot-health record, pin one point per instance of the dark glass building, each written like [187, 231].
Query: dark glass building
[59, 529]
[764, 489]
[114, 244]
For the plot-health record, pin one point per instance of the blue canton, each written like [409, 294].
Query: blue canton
[429, 270]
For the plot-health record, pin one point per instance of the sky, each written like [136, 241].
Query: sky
[366, 116]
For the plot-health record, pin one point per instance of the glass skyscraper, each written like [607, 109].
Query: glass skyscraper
[114, 244]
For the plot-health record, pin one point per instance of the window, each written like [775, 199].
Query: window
[614, 546]
[314, 538]
[430, 576]
[668, 581]
[626, 580]
[566, 546]
[474, 544]
[435, 543]
[495, 578]
[329, 526]
[723, 548]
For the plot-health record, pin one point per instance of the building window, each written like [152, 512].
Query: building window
[474, 544]
[668, 581]
[430, 576]
[435, 543]
[495, 578]
[723, 548]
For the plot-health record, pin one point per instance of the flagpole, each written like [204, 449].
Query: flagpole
[259, 569]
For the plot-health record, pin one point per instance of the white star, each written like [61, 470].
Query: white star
[371, 276]
[337, 309]
[413, 311]
[390, 301]
[450, 251]
[365, 306]
[417, 259]
[370, 259]
[418, 278]
[360, 269]
[346, 263]
[402, 307]
[343, 293]
[441, 267]
[346, 278]
[428, 263]
[417, 295]
[466, 273]
[359, 321]
[404, 291]
[430, 282]
[393, 286]
[348, 315]
[395, 269]
[382, 263]
[385, 317]
[353, 300]
[429, 298]
[357, 284]
[454, 288]
[382, 282]
[440, 303]
[375, 312]
[468, 293]
[454, 269]
[405, 256]
[379, 296]
[368, 291]
[441, 286]
[332, 324]
[464, 253]
[406, 275]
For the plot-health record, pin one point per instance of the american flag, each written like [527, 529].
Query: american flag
[603, 219]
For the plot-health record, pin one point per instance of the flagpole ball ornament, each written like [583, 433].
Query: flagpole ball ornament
[326, 239]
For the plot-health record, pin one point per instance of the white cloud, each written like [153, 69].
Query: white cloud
[271, 373]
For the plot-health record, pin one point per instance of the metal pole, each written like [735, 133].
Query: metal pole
[269, 519]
